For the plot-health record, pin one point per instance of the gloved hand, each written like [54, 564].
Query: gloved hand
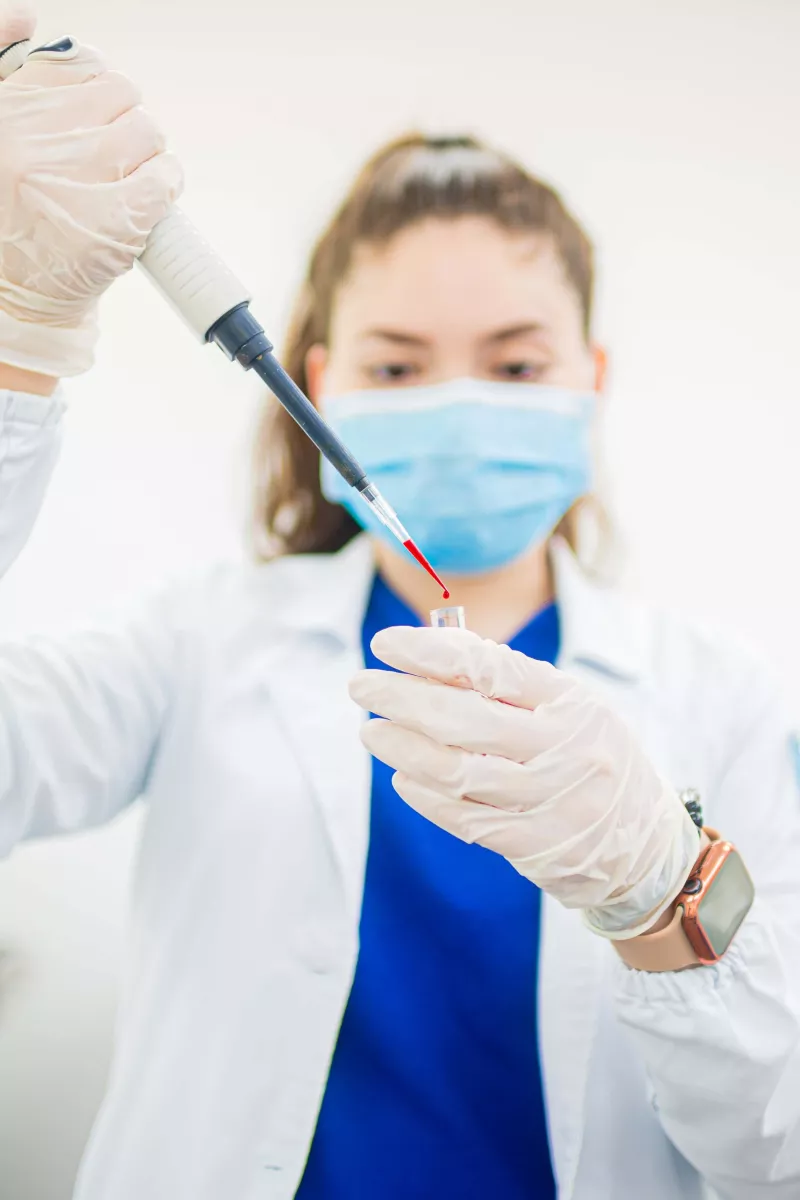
[508, 752]
[83, 179]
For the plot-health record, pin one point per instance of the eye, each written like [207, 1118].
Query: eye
[523, 370]
[393, 372]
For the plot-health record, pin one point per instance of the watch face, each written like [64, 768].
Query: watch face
[726, 903]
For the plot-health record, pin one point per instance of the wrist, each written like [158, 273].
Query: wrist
[668, 915]
[635, 908]
[661, 923]
[16, 379]
[663, 946]
[701, 927]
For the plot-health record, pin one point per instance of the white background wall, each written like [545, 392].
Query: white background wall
[671, 128]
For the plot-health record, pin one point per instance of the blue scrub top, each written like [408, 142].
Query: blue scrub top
[435, 1088]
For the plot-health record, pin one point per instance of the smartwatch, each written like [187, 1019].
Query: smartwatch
[711, 906]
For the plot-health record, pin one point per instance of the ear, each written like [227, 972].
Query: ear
[600, 368]
[316, 362]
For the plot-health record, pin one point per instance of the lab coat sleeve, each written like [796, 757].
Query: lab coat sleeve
[30, 439]
[721, 1044]
[79, 716]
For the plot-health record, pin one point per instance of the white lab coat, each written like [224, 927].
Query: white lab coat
[226, 705]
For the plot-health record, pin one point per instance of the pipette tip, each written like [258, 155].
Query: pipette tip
[422, 560]
[388, 517]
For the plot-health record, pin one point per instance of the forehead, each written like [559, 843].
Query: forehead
[461, 275]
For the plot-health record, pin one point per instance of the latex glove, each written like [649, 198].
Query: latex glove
[83, 180]
[508, 752]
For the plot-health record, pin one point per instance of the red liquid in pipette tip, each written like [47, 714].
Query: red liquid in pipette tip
[422, 560]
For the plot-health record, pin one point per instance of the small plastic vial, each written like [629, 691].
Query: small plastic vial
[449, 618]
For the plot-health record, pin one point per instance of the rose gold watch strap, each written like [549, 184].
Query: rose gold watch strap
[669, 949]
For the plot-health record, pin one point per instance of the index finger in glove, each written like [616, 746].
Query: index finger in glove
[468, 820]
[461, 657]
[148, 194]
[107, 153]
[452, 716]
[97, 102]
[454, 772]
[77, 87]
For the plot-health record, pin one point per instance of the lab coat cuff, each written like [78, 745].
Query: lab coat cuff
[754, 950]
[26, 409]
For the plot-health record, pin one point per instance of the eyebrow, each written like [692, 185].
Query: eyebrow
[515, 331]
[396, 336]
[507, 334]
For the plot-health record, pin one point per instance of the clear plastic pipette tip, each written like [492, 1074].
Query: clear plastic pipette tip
[385, 513]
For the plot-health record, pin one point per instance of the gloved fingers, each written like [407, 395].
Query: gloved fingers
[449, 814]
[460, 657]
[552, 794]
[583, 884]
[457, 773]
[536, 852]
[17, 22]
[100, 100]
[449, 714]
[150, 191]
[110, 222]
[107, 153]
[476, 824]
[132, 140]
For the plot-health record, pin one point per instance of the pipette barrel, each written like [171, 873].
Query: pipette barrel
[309, 420]
[240, 336]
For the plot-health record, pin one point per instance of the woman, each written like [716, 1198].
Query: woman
[331, 996]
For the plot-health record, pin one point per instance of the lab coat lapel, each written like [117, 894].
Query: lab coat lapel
[603, 642]
[571, 966]
[308, 684]
[309, 688]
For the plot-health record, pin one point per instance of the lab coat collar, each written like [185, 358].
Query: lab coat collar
[325, 593]
[600, 628]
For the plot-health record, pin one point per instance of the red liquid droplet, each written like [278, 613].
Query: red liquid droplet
[422, 560]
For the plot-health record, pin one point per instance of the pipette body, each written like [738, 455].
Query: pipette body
[239, 335]
[216, 306]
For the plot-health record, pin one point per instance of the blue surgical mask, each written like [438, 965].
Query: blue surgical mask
[477, 471]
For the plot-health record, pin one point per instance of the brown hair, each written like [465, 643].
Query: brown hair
[409, 179]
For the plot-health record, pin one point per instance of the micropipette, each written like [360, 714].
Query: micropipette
[216, 306]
